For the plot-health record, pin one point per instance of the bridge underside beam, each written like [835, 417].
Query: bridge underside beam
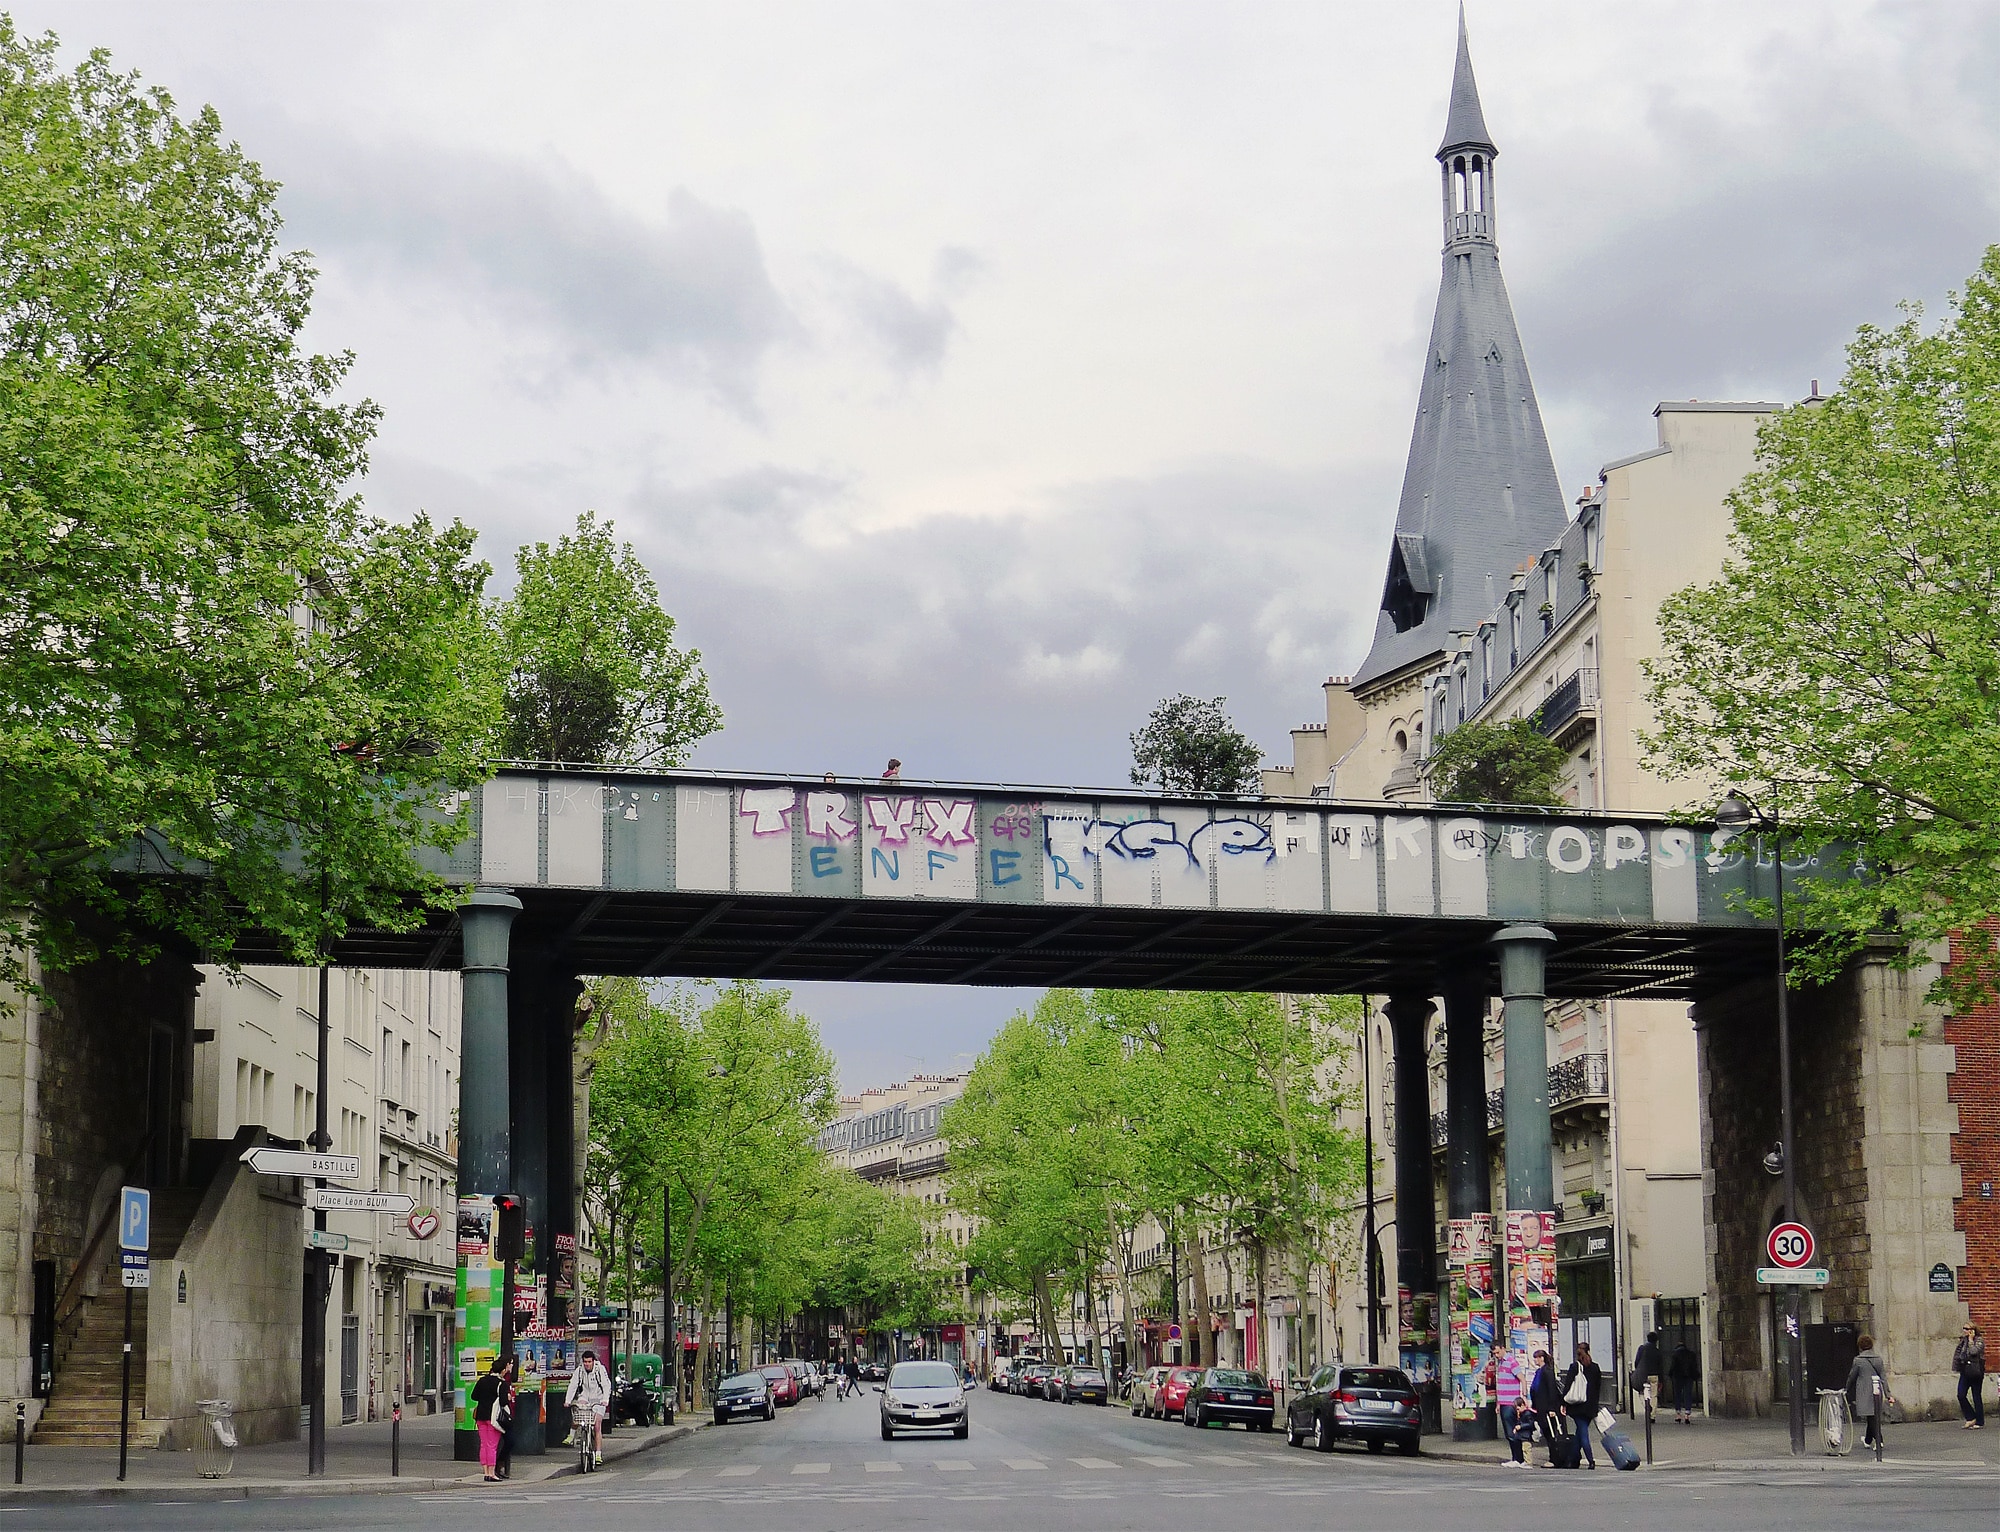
[939, 942]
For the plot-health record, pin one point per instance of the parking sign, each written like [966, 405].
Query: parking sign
[135, 1218]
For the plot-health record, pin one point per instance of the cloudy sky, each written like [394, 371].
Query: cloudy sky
[973, 375]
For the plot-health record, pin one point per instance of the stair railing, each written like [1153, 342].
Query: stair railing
[70, 1300]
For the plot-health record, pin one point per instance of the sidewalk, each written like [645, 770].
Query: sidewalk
[1764, 1445]
[357, 1463]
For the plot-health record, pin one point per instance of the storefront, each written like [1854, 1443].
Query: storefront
[1588, 1287]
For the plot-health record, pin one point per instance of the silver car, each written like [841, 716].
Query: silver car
[924, 1396]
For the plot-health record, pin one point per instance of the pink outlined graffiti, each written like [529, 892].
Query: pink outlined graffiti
[1015, 821]
[950, 821]
[892, 819]
[826, 816]
[769, 809]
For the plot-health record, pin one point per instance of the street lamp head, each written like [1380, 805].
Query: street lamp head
[1774, 1159]
[1737, 812]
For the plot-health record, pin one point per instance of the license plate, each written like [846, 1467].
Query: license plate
[1239, 1398]
[925, 1410]
[1376, 1404]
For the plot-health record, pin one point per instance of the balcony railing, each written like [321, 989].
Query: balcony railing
[1586, 1076]
[1574, 698]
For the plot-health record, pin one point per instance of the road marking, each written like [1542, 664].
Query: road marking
[665, 1473]
[885, 1467]
[739, 1470]
[1224, 1460]
[1025, 1464]
[1399, 1492]
[812, 1468]
[1093, 1462]
[1164, 1462]
[953, 1465]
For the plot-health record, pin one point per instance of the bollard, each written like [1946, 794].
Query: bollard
[396, 1441]
[20, 1438]
[1649, 1433]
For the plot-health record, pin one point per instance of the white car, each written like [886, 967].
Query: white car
[924, 1396]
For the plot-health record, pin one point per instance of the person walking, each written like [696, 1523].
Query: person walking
[486, 1399]
[1583, 1386]
[503, 1459]
[1868, 1389]
[1646, 1370]
[1682, 1371]
[1545, 1399]
[1507, 1395]
[1969, 1362]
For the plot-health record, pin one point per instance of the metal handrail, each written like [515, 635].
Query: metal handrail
[71, 1297]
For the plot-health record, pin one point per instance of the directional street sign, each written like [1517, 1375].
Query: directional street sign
[135, 1218]
[329, 1201]
[1790, 1245]
[135, 1268]
[320, 1239]
[302, 1162]
[1794, 1276]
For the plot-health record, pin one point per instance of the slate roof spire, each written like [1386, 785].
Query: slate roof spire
[1479, 491]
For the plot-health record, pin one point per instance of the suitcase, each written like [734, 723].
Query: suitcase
[1564, 1452]
[1624, 1456]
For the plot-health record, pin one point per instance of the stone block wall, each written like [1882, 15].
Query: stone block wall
[223, 1315]
[1872, 1133]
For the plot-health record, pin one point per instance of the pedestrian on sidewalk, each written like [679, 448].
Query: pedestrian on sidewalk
[1969, 1362]
[503, 1461]
[486, 1394]
[1545, 1398]
[1868, 1389]
[1583, 1387]
[1646, 1370]
[1682, 1370]
[1515, 1422]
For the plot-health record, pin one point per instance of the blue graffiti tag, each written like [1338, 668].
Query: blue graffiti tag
[1142, 840]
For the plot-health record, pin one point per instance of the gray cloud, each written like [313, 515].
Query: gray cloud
[687, 291]
[911, 333]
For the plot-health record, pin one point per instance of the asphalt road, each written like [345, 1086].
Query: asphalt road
[823, 1465]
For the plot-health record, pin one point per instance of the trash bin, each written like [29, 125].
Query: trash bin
[216, 1455]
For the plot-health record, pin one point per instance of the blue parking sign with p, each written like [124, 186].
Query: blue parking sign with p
[135, 1218]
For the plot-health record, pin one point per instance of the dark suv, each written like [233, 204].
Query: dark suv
[1374, 1405]
[1223, 1394]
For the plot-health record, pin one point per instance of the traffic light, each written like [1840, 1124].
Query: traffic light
[510, 1225]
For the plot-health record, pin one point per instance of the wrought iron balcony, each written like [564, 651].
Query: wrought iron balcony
[1569, 711]
[1582, 1078]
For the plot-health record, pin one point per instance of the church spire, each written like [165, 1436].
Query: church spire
[1479, 492]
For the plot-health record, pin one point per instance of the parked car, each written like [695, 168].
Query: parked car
[925, 1396]
[1373, 1405]
[1000, 1379]
[744, 1393]
[1223, 1394]
[811, 1379]
[1028, 1379]
[1083, 1385]
[1144, 1393]
[1171, 1403]
[873, 1372]
[784, 1383]
[1050, 1376]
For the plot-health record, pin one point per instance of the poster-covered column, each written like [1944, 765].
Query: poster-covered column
[1471, 1319]
[1532, 1305]
[478, 1320]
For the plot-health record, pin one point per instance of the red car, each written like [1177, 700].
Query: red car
[1174, 1391]
[784, 1383]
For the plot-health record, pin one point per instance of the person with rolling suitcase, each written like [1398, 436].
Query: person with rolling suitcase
[1545, 1398]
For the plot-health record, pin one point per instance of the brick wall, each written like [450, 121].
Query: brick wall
[1975, 1149]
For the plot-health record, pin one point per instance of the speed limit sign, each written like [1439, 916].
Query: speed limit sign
[1790, 1246]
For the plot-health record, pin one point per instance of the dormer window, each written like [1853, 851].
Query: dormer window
[1406, 596]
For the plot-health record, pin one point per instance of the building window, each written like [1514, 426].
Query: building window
[1514, 627]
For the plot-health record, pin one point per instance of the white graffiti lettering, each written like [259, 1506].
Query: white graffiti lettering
[769, 809]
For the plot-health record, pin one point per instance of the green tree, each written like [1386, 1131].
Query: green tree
[596, 674]
[1188, 745]
[203, 638]
[1509, 761]
[1845, 667]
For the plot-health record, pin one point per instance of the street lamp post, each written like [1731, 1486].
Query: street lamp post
[1738, 812]
[1368, 1247]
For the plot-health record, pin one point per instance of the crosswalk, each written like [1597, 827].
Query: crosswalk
[1145, 1461]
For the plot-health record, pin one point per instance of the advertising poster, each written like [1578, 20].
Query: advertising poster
[479, 1300]
[1473, 1315]
[1530, 1279]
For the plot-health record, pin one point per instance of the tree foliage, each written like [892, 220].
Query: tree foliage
[1188, 745]
[596, 674]
[202, 635]
[1506, 761]
[1845, 667]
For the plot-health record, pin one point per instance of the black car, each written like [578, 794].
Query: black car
[873, 1372]
[1087, 1384]
[1375, 1405]
[744, 1393]
[1223, 1394]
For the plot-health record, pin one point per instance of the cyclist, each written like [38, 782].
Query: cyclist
[589, 1393]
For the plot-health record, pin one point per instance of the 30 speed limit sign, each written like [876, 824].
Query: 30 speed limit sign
[1790, 1246]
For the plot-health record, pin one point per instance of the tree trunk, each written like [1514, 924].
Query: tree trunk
[1045, 1312]
[1202, 1352]
[699, 1391]
[1263, 1327]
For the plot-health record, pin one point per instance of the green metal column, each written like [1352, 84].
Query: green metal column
[484, 1154]
[1531, 1182]
[1416, 1204]
[1468, 1161]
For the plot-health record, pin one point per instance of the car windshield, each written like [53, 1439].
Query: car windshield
[1223, 1377]
[924, 1375]
[1086, 1375]
[1186, 1374]
[1375, 1377]
[774, 1372]
[740, 1382]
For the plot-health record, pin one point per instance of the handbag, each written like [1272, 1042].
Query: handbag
[1606, 1421]
[1578, 1390]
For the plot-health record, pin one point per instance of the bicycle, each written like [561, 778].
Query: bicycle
[587, 1426]
[1836, 1424]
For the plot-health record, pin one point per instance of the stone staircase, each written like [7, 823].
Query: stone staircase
[83, 1405]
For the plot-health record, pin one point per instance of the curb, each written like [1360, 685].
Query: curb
[210, 1490]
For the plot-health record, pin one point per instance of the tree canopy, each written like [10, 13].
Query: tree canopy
[596, 674]
[1844, 670]
[1188, 745]
[1507, 761]
[203, 637]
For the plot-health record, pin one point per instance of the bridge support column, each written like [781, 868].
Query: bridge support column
[1416, 1207]
[484, 1158]
[1531, 1181]
[534, 985]
[1468, 1193]
[556, 1076]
